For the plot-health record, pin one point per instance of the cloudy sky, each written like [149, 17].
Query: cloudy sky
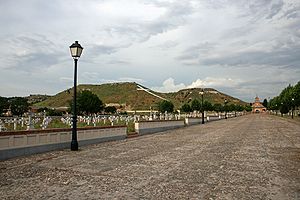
[241, 47]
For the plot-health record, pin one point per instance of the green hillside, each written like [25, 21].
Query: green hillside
[132, 96]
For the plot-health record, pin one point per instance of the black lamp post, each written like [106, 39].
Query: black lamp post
[202, 108]
[225, 108]
[76, 50]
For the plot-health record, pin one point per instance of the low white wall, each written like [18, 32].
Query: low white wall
[13, 144]
[192, 121]
[145, 127]
[213, 117]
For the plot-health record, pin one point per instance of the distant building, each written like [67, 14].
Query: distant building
[8, 112]
[257, 106]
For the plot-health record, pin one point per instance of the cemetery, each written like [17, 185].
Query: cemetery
[38, 133]
[41, 121]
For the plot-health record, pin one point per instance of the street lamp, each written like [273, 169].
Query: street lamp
[225, 103]
[293, 108]
[76, 50]
[202, 108]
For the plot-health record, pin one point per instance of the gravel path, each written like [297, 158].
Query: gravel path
[250, 157]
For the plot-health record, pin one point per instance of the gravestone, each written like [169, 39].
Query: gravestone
[15, 124]
[30, 124]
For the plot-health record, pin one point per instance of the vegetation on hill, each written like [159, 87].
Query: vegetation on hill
[35, 98]
[130, 96]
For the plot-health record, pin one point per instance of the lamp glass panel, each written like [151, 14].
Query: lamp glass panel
[79, 51]
[73, 51]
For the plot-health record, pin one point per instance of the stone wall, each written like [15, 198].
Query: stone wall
[19, 143]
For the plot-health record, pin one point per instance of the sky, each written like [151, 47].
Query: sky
[242, 48]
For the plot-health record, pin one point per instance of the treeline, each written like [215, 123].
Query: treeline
[16, 105]
[87, 103]
[196, 105]
[288, 99]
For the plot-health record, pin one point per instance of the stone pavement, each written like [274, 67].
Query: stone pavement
[255, 156]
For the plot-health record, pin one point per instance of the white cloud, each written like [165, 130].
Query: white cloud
[214, 82]
[169, 86]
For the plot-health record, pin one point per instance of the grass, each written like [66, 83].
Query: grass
[57, 123]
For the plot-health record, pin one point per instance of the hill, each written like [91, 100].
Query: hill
[35, 98]
[133, 96]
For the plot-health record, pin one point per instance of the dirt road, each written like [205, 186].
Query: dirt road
[250, 157]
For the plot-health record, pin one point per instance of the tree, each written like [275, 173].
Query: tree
[88, 103]
[284, 109]
[265, 103]
[296, 94]
[3, 104]
[207, 106]
[19, 106]
[248, 108]
[164, 106]
[186, 108]
[218, 107]
[239, 108]
[53, 112]
[231, 107]
[286, 96]
[284, 102]
[110, 109]
[195, 105]
[274, 103]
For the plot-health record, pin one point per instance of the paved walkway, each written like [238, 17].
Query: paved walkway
[250, 157]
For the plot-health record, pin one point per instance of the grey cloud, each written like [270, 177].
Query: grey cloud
[36, 61]
[241, 31]
[167, 45]
[282, 57]
[103, 49]
[195, 51]
[140, 31]
[178, 8]
[118, 62]
[268, 82]
[275, 9]
[30, 53]
[133, 31]
[254, 9]
[174, 17]
[90, 77]
[185, 56]
[292, 13]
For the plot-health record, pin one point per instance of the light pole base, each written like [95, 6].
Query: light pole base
[74, 145]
